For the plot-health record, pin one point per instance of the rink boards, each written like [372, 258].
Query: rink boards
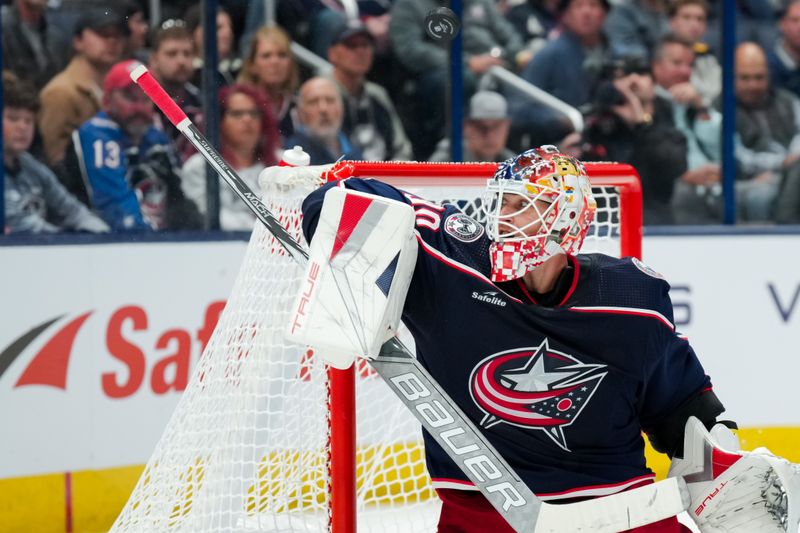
[97, 341]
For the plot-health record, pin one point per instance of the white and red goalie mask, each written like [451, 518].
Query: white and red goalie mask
[537, 204]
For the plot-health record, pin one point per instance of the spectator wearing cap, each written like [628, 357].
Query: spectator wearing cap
[171, 64]
[35, 201]
[75, 94]
[488, 40]
[124, 167]
[370, 119]
[319, 132]
[485, 131]
[229, 63]
[567, 67]
[33, 49]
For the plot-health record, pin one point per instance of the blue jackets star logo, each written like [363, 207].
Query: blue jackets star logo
[534, 388]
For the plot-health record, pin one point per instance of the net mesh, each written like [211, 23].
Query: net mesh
[247, 448]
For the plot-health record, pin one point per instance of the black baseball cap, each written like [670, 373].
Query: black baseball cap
[349, 29]
[101, 19]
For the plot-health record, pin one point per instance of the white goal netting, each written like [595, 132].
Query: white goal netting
[247, 448]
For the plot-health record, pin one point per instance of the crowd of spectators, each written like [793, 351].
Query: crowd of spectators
[84, 149]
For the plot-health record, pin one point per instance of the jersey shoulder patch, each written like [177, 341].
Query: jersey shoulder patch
[463, 227]
[646, 269]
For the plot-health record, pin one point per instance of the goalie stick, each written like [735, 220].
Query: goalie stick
[437, 413]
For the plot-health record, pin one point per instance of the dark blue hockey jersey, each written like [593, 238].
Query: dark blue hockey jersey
[563, 392]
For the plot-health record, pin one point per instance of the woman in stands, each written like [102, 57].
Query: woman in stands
[270, 66]
[249, 139]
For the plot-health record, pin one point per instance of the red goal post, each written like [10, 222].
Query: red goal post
[625, 225]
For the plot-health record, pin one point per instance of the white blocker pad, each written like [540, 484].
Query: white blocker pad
[735, 491]
[361, 261]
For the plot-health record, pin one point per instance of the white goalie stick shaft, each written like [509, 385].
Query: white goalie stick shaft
[436, 411]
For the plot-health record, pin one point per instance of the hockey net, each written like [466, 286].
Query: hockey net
[266, 438]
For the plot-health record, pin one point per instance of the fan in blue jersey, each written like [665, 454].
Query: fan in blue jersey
[562, 360]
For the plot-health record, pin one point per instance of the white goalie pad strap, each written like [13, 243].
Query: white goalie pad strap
[736, 491]
[360, 266]
[618, 512]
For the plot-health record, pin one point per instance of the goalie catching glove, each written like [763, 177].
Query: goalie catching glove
[736, 491]
[361, 261]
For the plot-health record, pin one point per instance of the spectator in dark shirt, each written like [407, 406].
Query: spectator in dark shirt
[631, 124]
[767, 143]
[567, 67]
[535, 21]
[33, 49]
[320, 111]
[229, 63]
[489, 40]
[370, 119]
[138, 27]
[784, 58]
[171, 65]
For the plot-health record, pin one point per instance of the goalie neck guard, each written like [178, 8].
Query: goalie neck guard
[537, 204]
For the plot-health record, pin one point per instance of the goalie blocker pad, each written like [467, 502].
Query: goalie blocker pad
[360, 265]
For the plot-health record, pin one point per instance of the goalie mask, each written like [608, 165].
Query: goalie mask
[537, 204]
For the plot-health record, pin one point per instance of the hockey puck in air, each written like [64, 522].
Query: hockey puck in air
[441, 24]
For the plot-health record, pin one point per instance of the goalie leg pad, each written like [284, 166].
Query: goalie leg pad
[737, 492]
[361, 261]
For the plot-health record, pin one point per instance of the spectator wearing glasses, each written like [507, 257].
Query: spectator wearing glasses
[370, 119]
[75, 94]
[249, 142]
[485, 131]
[33, 49]
[171, 64]
[35, 201]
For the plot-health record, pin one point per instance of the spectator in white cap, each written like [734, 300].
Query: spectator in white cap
[485, 130]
